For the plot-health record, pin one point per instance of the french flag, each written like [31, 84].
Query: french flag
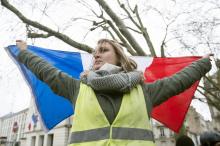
[53, 108]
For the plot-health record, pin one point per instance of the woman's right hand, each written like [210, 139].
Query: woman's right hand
[22, 45]
[84, 74]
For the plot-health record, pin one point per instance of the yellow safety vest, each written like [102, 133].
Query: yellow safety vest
[131, 126]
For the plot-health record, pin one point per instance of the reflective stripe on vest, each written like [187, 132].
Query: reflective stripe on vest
[117, 133]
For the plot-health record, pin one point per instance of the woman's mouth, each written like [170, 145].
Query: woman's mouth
[98, 62]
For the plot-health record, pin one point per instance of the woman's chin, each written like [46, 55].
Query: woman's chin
[97, 67]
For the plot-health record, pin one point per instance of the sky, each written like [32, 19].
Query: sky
[15, 94]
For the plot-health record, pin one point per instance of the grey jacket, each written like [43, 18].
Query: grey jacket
[155, 93]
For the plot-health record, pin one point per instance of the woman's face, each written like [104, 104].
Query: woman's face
[104, 53]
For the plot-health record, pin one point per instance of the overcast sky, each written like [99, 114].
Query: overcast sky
[14, 92]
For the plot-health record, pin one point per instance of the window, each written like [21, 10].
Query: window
[33, 140]
[171, 133]
[50, 140]
[162, 132]
[41, 140]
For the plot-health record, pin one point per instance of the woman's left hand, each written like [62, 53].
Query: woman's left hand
[208, 55]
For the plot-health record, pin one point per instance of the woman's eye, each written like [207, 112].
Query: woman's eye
[104, 50]
[100, 50]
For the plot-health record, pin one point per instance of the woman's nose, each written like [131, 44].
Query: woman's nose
[96, 54]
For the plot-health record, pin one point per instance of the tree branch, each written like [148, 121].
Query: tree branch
[134, 30]
[145, 34]
[210, 93]
[38, 35]
[129, 15]
[126, 44]
[122, 27]
[210, 100]
[212, 82]
[111, 25]
[35, 24]
[200, 99]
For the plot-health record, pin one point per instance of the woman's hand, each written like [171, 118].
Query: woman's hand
[142, 77]
[208, 56]
[84, 74]
[22, 45]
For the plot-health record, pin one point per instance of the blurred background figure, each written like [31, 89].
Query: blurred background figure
[210, 138]
[184, 141]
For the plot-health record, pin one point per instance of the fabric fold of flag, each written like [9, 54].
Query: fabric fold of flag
[53, 108]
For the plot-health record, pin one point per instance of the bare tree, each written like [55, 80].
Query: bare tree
[193, 28]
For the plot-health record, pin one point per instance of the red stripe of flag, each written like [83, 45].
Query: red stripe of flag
[172, 112]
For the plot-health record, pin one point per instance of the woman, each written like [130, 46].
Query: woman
[112, 104]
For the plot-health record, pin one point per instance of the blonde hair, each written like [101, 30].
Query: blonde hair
[125, 62]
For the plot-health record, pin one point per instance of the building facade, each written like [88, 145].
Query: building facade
[36, 135]
[56, 137]
[12, 128]
[194, 126]
[163, 136]
[29, 130]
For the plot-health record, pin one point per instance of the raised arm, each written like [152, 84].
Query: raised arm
[61, 83]
[161, 90]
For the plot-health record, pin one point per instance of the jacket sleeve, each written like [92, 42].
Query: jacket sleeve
[61, 83]
[161, 90]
